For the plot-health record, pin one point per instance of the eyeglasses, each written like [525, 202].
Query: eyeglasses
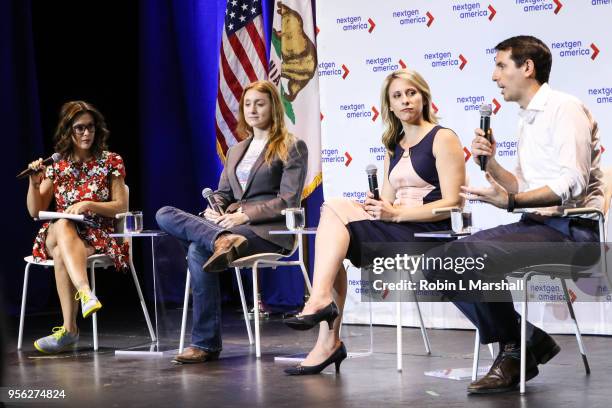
[80, 129]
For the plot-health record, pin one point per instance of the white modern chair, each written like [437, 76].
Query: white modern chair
[93, 262]
[565, 272]
[254, 262]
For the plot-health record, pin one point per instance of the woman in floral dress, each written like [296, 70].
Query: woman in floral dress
[88, 180]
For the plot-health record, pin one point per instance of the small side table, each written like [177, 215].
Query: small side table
[152, 350]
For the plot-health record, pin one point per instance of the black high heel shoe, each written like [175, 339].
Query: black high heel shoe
[337, 357]
[307, 322]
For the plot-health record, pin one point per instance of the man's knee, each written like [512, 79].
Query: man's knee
[164, 215]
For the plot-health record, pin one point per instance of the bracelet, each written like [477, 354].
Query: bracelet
[511, 202]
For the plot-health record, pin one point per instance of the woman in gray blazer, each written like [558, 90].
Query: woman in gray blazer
[263, 175]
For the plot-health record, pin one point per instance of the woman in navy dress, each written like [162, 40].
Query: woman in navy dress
[424, 169]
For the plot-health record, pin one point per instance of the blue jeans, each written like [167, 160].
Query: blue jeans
[198, 235]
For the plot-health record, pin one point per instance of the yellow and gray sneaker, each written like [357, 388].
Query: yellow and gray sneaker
[59, 340]
[89, 302]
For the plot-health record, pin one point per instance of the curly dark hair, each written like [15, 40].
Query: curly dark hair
[69, 113]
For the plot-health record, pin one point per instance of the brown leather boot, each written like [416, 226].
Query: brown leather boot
[227, 249]
[195, 355]
[505, 373]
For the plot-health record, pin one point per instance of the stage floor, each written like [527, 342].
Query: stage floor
[239, 379]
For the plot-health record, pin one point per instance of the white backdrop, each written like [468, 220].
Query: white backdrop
[451, 43]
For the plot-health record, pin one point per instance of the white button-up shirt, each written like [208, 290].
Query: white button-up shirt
[559, 147]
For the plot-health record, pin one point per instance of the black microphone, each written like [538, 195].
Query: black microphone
[54, 158]
[207, 193]
[485, 125]
[372, 180]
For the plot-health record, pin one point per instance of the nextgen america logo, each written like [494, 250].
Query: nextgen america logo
[329, 69]
[445, 59]
[473, 10]
[529, 6]
[574, 49]
[414, 16]
[382, 64]
[356, 111]
[353, 23]
[378, 152]
[605, 92]
[470, 103]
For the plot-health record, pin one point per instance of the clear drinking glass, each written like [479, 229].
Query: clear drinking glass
[294, 218]
[133, 221]
[456, 220]
[466, 218]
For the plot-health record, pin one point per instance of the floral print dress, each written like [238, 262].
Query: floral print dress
[86, 181]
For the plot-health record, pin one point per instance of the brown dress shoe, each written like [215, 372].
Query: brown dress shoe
[505, 373]
[196, 355]
[227, 249]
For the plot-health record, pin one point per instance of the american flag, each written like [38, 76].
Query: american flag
[242, 61]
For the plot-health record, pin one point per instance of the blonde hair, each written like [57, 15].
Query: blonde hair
[279, 139]
[393, 126]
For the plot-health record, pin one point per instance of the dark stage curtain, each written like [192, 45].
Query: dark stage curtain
[179, 46]
[21, 141]
[151, 68]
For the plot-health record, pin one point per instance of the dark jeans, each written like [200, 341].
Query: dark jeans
[498, 321]
[199, 235]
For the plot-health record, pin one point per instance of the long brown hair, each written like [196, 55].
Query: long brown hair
[393, 126]
[279, 139]
[69, 113]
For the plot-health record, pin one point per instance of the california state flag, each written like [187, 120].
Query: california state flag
[293, 69]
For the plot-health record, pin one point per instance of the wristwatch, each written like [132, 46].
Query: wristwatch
[511, 202]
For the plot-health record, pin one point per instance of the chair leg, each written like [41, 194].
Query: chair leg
[185, 307]
[256, 311]
[490, 345]
[398, 321]
[524, 333]
[245, 310]
[94, 317]
[142, 302]
[306, 277]
[423, 329]
[476, 356]
[302, 266]
[570, 307]
[24, 295]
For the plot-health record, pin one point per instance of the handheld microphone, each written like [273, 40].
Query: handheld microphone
[207, 193]
[372, 180]
[54, 158]
[485, 125]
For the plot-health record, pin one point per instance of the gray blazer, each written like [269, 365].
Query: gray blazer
[269, 189]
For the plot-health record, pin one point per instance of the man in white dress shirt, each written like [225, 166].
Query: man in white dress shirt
[558, 168]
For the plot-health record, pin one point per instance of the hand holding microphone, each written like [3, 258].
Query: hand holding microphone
[377, 208]
[213, 211]
[37, 166]
[372, 180]
[483, 145]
